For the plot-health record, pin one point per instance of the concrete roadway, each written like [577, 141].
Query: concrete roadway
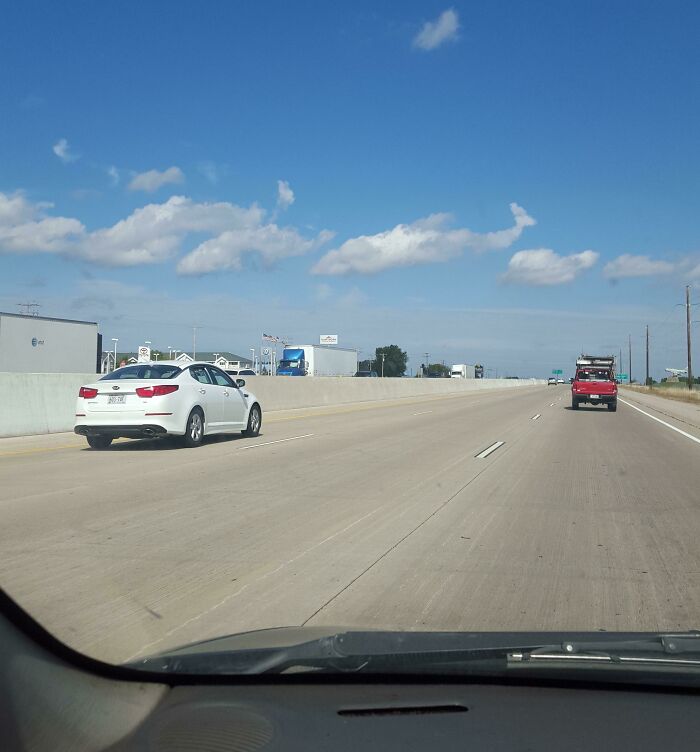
[365, 516]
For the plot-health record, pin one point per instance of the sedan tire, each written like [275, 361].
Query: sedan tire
[254, 421]
[194, 430]
[99, 442]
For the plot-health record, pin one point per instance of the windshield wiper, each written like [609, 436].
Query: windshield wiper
[663, 649]
[492, 654]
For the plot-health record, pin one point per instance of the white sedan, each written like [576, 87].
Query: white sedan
[163, 398]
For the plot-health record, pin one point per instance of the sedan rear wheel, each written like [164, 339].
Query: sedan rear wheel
[99, 442]
[194, 430]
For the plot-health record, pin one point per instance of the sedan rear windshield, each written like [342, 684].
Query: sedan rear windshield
[143, 371]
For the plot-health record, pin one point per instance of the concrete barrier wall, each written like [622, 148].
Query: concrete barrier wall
[38, 403]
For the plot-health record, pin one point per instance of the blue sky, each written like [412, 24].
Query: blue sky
[315, 168]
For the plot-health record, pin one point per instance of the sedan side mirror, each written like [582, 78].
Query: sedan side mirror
[240, 383]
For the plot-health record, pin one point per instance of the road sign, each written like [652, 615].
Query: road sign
[266, 351]
[622, 376]
[144, 354]
[557, 371]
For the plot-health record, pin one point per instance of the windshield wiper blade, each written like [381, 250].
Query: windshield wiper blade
[664, 649]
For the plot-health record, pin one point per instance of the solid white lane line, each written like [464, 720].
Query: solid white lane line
[663, 422]
[279, 441]
[425, 412]
[489, 450]
[535, 417]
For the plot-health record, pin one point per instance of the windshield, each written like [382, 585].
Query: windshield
[284, 290]
[594, 376]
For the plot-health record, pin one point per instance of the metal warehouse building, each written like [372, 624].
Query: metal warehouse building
[37, 344]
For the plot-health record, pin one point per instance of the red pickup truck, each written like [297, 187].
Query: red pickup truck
[594, 382]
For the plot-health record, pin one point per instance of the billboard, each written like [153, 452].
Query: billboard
[328, 339]
[37, 344]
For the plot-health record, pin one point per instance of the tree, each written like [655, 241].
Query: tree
[438, 369]
[394, 360]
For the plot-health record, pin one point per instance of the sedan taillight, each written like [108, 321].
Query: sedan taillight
[87, 393]
[159, 390]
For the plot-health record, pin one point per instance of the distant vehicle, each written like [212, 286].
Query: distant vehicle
[561, 381]
[317, 360]
[463, 371]
[242, 372]
[551, 381]
[367, 374]
[594, 382]
[163, 398]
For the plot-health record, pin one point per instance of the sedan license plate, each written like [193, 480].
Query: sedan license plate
[116, 399]
[595, 396]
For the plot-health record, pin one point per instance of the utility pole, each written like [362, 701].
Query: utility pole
[194, 342]
[646, 381]
[629, 375]
[687, 320]
[383, 356]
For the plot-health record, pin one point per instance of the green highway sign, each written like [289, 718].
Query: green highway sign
[557, 370]
[622, 376]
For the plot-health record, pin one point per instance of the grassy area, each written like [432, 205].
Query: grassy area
[674, 391]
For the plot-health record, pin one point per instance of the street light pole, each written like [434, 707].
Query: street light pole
[115, 340]
[629, 375]
[687, 319]
[383, 356]
[427, 364]
[646, 380]
[252, 349]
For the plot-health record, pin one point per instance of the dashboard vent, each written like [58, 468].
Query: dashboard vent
[405, 710]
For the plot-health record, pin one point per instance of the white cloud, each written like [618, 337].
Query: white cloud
[269, 241]
[285, 195]
[25, 228]
[155, 233]
[436, 33]
[113, 174]
[422, 242]
[153, 179]
[628, 265]
[62, 150]
[543, 266]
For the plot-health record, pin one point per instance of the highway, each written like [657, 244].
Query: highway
[392, 515]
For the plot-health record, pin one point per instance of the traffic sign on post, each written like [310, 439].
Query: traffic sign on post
[557, 371]
[622, 376]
